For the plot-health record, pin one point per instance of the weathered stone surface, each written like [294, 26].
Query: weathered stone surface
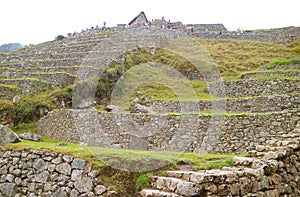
[7, 136]
[30, 136]
[271, 155]
[16, 99]
[61, 192]
[39, 164]
[64, 168]
[78, 164]
[8, 189]
[76, 175]
[99, 189]
[67, 158]
[188, 189]
[152, 130]
[84, 185]
[138, 108]
[113, 108]
[74, 193]
[42, 177]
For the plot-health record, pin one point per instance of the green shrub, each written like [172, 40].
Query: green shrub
[143, 180]
[284, 62]
[60, 37]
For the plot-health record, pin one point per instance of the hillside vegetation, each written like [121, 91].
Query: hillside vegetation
[232, 57]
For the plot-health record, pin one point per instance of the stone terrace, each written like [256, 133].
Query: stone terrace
[78, 57]
[273, 170]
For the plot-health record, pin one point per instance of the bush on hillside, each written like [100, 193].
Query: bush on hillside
[60, 37]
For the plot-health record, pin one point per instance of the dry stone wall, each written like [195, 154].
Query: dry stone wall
[259, 104]
[272, 171]
[189, 132]
[242, 88]
[39, 173]
[258, 36]
[27, 86]
[270, 74]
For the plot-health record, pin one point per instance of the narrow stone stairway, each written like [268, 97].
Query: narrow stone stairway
[272, 170]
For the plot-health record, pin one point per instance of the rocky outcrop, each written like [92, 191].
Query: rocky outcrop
[39, 173]
[10, 47]
[30, 136]
[7, 136]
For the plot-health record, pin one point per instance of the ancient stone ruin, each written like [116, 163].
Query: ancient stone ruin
[269, 131]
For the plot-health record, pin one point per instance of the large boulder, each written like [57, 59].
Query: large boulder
[7, 136]
[31, 137]
[138, 108]
[113, 108]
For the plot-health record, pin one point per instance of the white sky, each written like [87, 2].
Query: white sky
[36, 21]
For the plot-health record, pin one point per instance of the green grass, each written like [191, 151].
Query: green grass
[143, 180]
[231, 57]
[235, 56]
[23, 128]
[6, 104]
[15, 87]
[276, 78]
[156, 83]
[128, 159]
[52, 73]
[27, 109]
[138, 160]
[284, 62]
[270, 71]
[26, 79]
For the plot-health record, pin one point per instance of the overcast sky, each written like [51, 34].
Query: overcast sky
[36, 21]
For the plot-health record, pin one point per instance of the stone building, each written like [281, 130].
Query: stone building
[139, 20]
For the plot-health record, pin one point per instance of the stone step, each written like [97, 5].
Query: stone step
[175, 185]
[157, 193]
[271, 155]
[258, 172]
[261, 148]
[204, 176]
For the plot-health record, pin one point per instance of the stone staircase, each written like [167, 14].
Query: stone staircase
[272, 170]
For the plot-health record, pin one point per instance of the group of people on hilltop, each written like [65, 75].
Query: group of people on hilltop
[88, 29]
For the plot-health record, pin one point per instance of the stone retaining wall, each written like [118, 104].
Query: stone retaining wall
[262, 36]
[270, 74]
[27, 86]
[58, 79]
[39, 173]
[189, 132]
[8, 92]
[259, 104]
[272, 171]
[242, 88]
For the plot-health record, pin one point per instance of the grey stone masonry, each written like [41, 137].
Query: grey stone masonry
[272, 170]
[259, 104]
[40, 173]
[174, 132]
[242, 88]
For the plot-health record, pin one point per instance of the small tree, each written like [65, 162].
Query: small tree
[60, 37]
